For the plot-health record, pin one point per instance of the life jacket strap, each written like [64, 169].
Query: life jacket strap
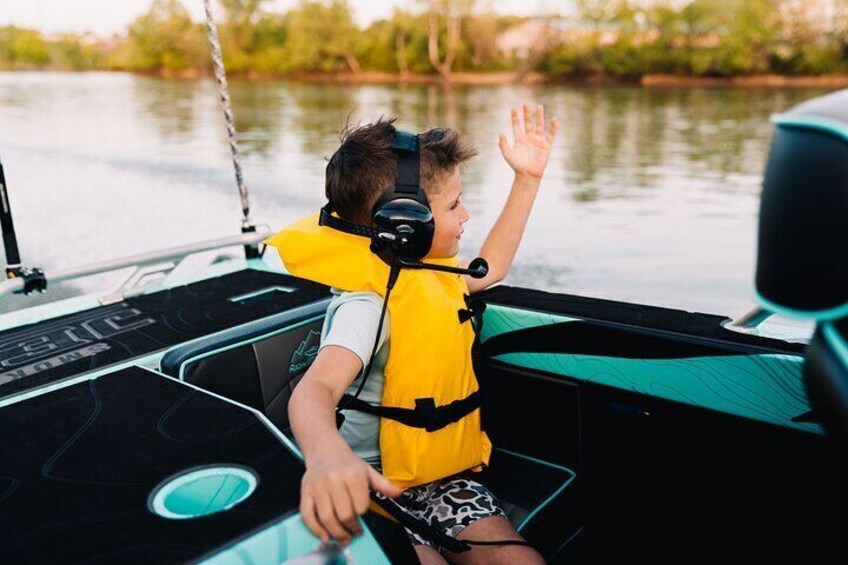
[425, 414]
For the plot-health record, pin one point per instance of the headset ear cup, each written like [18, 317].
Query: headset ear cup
[403, 210]
[409, 225]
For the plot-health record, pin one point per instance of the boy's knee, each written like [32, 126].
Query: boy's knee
[494, 528]
[429, 556]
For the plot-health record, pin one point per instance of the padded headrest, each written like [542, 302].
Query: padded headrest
[802, 263]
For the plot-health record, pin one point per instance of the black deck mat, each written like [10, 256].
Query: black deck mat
[55, 349]
[78, 465]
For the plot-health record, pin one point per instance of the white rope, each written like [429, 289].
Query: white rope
[224, 91]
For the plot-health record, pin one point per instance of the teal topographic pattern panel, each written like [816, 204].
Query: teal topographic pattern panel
[766, 387]
[502, 319]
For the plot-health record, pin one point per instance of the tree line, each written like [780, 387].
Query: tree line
[623, 38]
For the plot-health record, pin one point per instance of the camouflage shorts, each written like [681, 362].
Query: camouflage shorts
[450, 504]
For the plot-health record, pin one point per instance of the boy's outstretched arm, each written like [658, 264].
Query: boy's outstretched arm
[528, 157]
[335, 488]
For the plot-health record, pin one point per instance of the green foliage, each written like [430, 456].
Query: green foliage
[22, 49]
[242, 11]
[414, 52]
[702, 38]
[266, 48]
[621, 38]
[29, 49]
[75, 53]
[251, 39]
[623, 59]
[482, 33]
[815, 60]
[321, 36]
[380, 51]
[165, 38]
[572, 60]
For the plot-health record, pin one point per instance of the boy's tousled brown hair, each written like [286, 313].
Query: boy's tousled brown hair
[365, 165]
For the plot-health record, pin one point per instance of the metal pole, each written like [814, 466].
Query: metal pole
[10, 242]
[173, 253]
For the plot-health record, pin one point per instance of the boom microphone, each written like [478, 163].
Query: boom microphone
[477, 269]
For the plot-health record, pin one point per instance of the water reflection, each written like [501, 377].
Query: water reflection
[319, 112]
[170, 105]
[651, 194]
[259, 114]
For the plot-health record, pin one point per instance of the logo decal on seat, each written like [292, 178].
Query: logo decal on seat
[305, 353]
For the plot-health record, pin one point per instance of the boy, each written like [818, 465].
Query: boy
[341, 465]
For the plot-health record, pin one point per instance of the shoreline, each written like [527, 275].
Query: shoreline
[769, 80]
[497, 78]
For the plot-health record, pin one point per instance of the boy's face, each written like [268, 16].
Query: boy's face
[449, 215]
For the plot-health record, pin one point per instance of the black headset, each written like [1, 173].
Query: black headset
[403, 225]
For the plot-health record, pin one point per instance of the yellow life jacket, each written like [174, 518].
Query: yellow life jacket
[429, 355]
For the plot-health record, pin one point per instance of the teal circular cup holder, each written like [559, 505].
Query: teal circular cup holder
[202, 491]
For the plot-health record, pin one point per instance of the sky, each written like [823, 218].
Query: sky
[105, 17]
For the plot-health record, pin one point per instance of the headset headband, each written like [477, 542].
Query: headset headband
[405, 144]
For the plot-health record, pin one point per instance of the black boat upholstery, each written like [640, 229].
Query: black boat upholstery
[59, 348]
[260, 363]
[654, 471]
[802, 263]
[826, 376]
[525, 485]
[257, 364]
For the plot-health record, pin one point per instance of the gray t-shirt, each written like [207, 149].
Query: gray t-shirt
[351, 322]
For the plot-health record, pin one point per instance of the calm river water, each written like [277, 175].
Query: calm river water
[651, 195]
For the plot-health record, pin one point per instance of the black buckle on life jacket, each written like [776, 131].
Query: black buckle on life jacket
[426, 409]
[474, 309]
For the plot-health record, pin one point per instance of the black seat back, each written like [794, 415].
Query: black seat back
[826, 376]
[257, 364]
[802, 263]
[802, 260]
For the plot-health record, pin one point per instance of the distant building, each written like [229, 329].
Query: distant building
[530, 36]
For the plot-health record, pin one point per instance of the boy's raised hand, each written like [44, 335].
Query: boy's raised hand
[532, 146]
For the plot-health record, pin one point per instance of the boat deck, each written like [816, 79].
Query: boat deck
[51, 350]
[89, 456]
